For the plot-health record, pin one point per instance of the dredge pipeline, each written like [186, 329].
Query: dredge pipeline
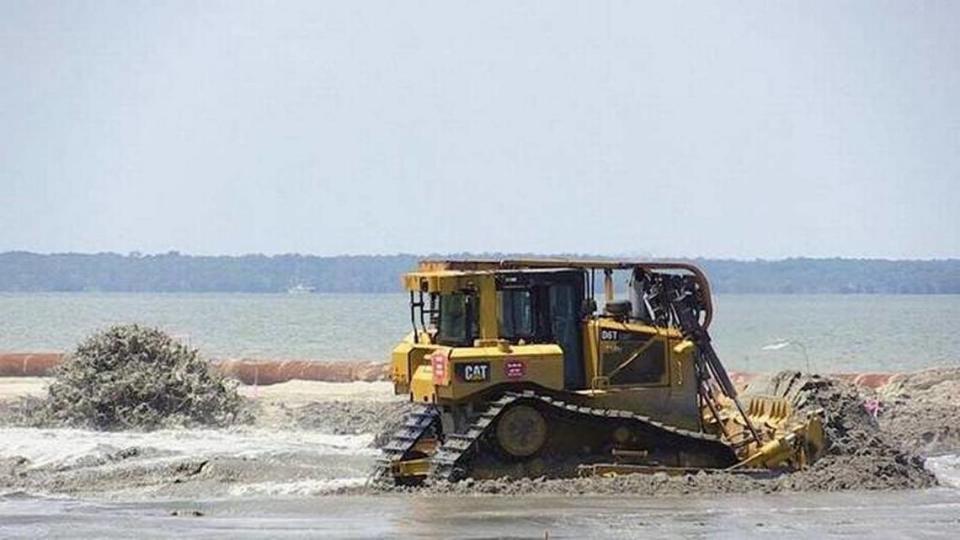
[267, 371]
[248, 371]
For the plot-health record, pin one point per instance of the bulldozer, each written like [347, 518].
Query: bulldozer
[514, 369]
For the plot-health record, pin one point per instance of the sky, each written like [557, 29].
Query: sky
[716, 129]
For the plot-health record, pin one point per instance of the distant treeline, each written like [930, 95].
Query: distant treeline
[175, 272]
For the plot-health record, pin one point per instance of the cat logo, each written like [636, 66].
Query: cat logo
[473, 371]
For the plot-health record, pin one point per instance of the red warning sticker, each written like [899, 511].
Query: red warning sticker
[515, 369]
[439, 363]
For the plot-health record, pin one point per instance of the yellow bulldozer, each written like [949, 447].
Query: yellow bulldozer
[515, 370]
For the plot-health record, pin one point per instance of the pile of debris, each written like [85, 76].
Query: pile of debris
[860, 453]
[133, 377]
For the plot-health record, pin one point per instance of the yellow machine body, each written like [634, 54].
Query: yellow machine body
[625, 368]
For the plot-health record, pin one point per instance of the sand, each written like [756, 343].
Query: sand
[315, 438]
[13, 388]
[923, 409]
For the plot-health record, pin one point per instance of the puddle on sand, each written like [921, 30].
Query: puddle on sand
[946, 468]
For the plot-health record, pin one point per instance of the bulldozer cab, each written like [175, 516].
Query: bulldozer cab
[540, 306]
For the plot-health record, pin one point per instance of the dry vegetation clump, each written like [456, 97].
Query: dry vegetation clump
[133, 377]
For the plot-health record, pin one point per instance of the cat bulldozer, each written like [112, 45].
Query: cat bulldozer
[514, 371]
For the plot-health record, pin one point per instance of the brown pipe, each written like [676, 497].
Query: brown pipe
[270, 371]
[29, 364]
[867, 380]
[264, 372]
[247, 371]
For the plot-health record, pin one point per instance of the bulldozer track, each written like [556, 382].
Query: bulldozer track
[417, 422]
[451, 461]
[447, 462]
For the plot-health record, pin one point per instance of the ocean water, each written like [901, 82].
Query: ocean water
[830, 333]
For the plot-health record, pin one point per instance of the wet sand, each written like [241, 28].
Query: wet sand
[315, 438]
[929, 513]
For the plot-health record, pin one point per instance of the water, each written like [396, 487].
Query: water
[838, 333]
[927, 514]
[72, 447]
[315, 326]
[832, 333]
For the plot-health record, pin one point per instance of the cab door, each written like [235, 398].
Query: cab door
[564, 308]
[554, 300]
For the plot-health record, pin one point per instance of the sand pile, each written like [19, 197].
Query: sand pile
[859, 455]
[924, 409]
[352, 418]
[131, 377]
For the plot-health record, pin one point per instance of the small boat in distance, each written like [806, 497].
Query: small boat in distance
[300, 288]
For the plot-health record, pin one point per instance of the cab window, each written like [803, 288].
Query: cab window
[457, 319]
[515, 314]
[633, 358]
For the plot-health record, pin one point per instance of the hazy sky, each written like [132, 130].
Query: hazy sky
[761, 129]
